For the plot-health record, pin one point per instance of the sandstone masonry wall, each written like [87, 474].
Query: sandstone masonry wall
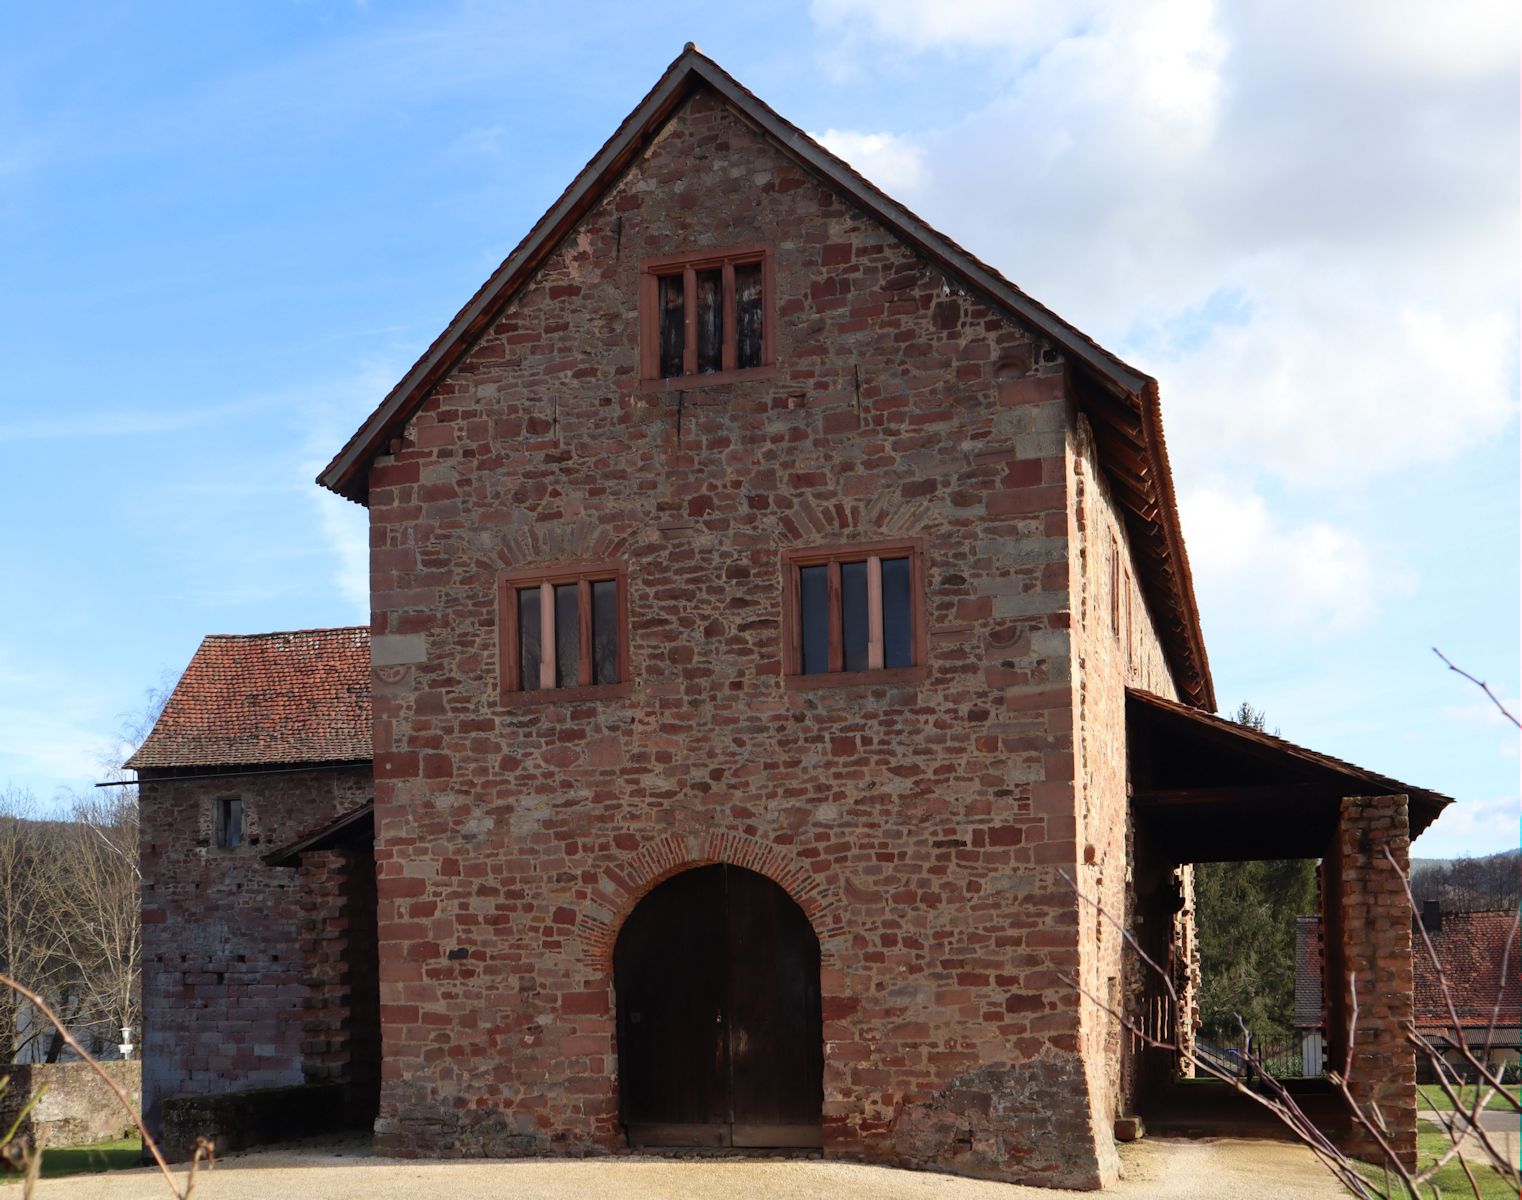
[1369, 954]
[222, 938]
[1115, 646]
[920, 826]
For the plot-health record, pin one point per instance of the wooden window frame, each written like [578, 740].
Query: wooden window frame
[725, 258]
[832, 556]
[584, 574]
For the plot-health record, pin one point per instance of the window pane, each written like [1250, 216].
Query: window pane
[897, 635]
[567, 634]
[710, 320]
[853, 615]
[528, 639]
[673, 330]
[232, 823]
[605, 631]
[748, 314]
[814, 617]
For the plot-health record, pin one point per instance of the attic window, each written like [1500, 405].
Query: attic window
[706, 315]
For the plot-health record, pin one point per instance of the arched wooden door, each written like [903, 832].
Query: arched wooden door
[720, 1040]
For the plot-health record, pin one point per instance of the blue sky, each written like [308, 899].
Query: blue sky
[226, 229]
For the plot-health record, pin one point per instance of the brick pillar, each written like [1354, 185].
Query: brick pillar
[1368, 948]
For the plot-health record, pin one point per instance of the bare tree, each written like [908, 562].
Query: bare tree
[31, 948]
[95, 911]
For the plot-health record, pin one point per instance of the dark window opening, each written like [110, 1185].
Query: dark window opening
[748, 315]
[528, 639]
[605, 631]
[814, 606]
[710, 290]
[673, 325]
[229, 823]
[567, 634]
[898, 630]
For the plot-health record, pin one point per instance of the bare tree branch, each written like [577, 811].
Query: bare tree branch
[1482, 685]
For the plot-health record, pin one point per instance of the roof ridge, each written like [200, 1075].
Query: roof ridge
[229, 637]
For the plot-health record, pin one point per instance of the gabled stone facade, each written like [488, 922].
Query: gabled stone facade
[932, 823]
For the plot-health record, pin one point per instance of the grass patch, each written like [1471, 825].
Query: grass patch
[1429, 1095]
[1431, 1143]
[115, 1155]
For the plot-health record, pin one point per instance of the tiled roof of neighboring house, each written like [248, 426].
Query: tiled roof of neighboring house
[1310, 1008]
[1123, 405]
[1470, 947]
[267, 699]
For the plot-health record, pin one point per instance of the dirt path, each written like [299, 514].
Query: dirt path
[1155, 1169]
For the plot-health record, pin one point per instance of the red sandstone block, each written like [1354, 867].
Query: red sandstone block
[438, 766]
[393, 475]
[397, 764]
[594, 1002]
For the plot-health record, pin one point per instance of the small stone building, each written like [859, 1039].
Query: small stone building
[777, 618]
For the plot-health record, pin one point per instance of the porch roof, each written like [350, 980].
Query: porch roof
[1215, 791]
[347, 831]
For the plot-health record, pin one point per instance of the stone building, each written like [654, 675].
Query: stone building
[775, 615]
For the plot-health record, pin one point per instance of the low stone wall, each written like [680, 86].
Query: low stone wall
[237, 1120]
[74, 1104]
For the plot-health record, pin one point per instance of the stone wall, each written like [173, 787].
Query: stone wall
[1115, 646]
[74, 1105]
[224, 960]
[341, 1018]
[236, 1120]
[922, 826]
[1368, 960]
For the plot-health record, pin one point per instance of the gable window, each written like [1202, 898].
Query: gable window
[854, 615]
[706, 315]
[229, 822]
[564, 633]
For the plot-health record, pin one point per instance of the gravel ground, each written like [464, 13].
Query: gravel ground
[1155, 1169]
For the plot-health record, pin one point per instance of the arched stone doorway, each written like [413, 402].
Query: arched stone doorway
[720, 1037]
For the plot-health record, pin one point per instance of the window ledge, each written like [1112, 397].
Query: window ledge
[566, 695]
[885, 677]
[686, 383]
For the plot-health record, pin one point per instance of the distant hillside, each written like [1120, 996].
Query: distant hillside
[1418, 863]
[1469, 884]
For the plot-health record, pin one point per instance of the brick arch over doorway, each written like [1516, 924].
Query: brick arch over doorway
[608, 906]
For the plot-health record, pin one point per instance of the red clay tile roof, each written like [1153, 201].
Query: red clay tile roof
[267, 698]
[1470, 947]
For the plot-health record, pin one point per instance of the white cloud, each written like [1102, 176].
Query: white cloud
[1253, 570]
[345, 526]
[1474, 827]
[1346, 173]
[895, 164]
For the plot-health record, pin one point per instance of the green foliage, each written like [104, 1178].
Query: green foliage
[1245, 916]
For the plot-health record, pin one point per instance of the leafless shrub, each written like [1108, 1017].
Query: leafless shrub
[27, 1158]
